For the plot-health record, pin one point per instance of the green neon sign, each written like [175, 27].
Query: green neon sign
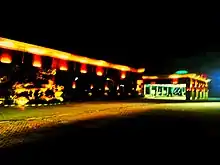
[181, 72]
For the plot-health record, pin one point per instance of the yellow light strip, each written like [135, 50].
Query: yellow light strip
[192, 75]
[141, 70]
[149, 77]
[182, 75]
[39, 50]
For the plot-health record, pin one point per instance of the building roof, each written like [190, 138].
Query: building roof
[43, 51]
[173, 76]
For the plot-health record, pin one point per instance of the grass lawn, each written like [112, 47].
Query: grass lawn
[13, 113]
[28, 112]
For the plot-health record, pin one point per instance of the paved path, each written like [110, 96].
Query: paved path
[29, 124]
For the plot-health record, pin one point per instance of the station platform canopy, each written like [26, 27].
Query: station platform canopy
[43, 51]
[180, 74]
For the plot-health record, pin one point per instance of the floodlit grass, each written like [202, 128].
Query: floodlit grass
[68, 109]
[23, 113]
[24, 122]
[10, 113]
[19, 113]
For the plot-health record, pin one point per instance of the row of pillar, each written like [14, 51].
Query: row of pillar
[198, 94]
[195, 95]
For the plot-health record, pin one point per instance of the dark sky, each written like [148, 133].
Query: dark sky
[158, 40]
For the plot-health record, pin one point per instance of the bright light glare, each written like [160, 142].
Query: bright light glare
[34, 49]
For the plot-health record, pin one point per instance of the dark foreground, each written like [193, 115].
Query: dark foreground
[137, 137]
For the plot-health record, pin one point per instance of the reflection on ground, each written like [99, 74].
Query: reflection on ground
[88, 126]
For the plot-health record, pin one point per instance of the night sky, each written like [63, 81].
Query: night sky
[162, 42]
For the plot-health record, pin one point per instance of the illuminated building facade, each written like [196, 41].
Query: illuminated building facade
[179, 86]
[61, 73]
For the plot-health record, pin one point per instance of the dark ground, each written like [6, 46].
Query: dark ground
[138, 137]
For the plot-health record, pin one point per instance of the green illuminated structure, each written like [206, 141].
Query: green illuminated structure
[182, 72]
[178, 86]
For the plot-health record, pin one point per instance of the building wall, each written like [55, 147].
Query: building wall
[18, 71]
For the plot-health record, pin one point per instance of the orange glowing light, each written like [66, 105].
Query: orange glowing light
[63, 65]
[99, 70]
[6, 58]
[37, 61]
[54, 63]
[99, 73]
[91, 86]
[196, 83]
[106, 88]
[141, 70]
[175, 81]
[149, 77]
[83, 68]
[74, 85]
[34, 49]
[123, 75]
